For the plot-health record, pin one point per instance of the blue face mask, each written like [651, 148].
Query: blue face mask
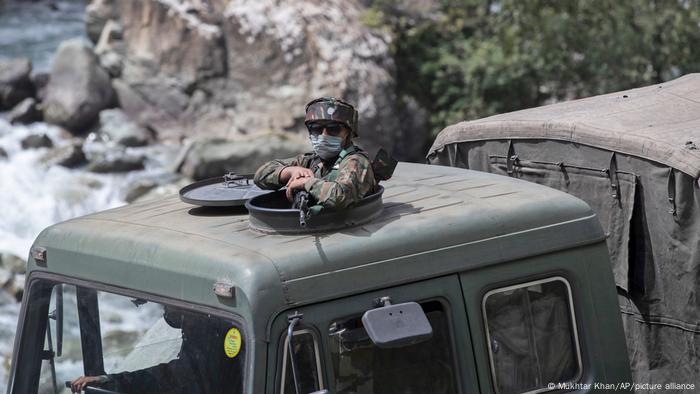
[326, 146]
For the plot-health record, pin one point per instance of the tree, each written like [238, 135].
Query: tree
[469, 59]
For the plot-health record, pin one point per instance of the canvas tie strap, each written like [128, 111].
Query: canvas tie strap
[672, 191]
[511, 158]
[614, 180]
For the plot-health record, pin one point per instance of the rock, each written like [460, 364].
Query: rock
[16, 287]
[78, 88]
[5, 277]
[119, 164]
[14, 264]
[25, 112]
[163, 190]
[305, 50]
[5, 298]
[164, 38]
[138, 106]
[3, 153]
[116, 126]
[139, 189]
[215, 157]
[40, 80]
[111, 36]
[15, 83]
[108, 48]
[36, 141]
[224, 68]
[12, 271]
[69, 156]
[97, 13]
[111, 62]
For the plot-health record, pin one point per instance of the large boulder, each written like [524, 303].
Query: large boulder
[166, 38]
[281, 55]
[78, 88]
[209, 158]
[15, 82]
[116, 126]
[224, 68]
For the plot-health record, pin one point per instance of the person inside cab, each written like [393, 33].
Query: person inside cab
[337, 173]
[200, 367]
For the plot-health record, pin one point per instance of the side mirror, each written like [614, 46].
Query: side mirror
[392, 326]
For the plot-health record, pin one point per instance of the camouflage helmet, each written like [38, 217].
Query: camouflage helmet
[331, 108]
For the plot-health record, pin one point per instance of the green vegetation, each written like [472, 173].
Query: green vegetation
[468, 59]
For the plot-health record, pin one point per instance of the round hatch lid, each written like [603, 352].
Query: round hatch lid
[272, 214]
[230, 190]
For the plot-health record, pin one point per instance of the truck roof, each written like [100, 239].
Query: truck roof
[657, 122]
[436, 220]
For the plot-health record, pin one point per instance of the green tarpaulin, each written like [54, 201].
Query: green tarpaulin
[634, 157]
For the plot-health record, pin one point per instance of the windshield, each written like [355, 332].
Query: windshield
[124, 344]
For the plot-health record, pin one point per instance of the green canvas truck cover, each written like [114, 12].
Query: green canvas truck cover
[634, 157]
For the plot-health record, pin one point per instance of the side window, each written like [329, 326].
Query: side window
[361, 367]
[307, 360]
[532, 335]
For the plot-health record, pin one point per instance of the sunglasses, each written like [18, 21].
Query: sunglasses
[331, 128]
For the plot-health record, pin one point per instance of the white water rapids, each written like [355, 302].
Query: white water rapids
[34, 196]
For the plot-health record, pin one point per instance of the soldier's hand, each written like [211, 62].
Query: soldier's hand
[79, 384]
[288, 174]
[295, 184]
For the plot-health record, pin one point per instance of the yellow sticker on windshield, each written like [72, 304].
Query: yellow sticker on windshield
[232, 342]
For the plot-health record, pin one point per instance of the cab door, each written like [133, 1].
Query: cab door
[332, 350]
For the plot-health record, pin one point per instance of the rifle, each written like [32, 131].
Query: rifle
[301, 202]
[383, 165]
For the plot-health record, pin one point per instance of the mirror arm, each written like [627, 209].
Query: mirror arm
[293, 321]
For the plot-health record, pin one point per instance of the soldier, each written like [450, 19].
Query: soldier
[337, 173]
[200, 366]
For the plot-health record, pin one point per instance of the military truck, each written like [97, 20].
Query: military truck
[634, 157]
[456, 282]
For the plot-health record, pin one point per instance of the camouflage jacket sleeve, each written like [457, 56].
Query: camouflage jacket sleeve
[355, 179]
[268, 175]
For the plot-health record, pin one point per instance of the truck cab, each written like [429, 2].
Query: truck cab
[465, 282]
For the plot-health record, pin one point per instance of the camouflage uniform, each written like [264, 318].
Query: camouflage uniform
[338, 182]
[351, 181]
